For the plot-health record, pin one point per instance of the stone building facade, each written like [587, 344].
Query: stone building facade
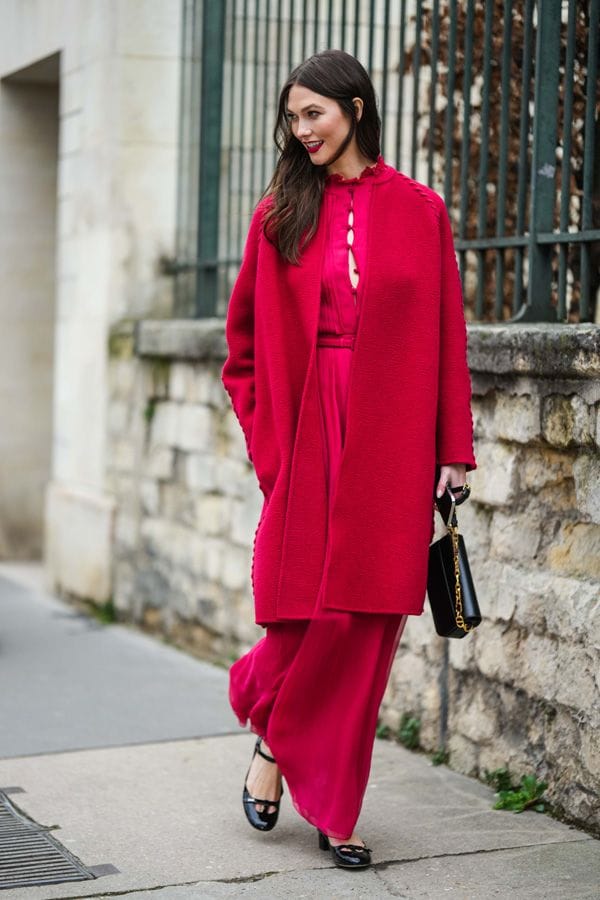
[89, 136]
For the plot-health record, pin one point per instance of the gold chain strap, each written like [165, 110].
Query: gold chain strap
[453, 529]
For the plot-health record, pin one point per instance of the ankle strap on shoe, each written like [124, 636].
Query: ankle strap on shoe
[262, 752]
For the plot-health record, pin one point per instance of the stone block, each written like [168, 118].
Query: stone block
[576, 550]
[177, 504]
[200, 473]
[500, 656]
[536, 673]
[122, 455]
[175, 545]
[474, 524]
[244, 519]
[544, 466]
[79, 535]
[149, 496]
[515, 536]
[121, 374]
[214, 555]
[517, 417]
[126, 531]
[494, 481]
[575, 668]
[566, 420]
[586, 470]
[147, 29]
[497, 588]
[181, 378]
[236, 568]
[476, 719]
[572, 609]
[235, 477]
[118, 415]
[213, 514]
[165, 425]
[233, 430]
[483, 416]
[463, 653]
[160, 462]
[464, 754]
[196, 431]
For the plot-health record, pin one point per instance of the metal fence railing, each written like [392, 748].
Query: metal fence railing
[495, 105]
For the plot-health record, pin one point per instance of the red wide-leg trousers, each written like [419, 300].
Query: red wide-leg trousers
[312, 688]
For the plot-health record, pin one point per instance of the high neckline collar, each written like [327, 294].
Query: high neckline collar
[373, 171]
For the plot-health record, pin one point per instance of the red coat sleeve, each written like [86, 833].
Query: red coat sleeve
[237, 373]
[454, 435]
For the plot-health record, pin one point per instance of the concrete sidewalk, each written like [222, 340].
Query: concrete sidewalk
[127, 749]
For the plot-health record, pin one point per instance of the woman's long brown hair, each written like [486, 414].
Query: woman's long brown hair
[297, 184]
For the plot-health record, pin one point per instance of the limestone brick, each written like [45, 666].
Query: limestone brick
[165, 424]
[180, 380]
[195, 431]
[236, 567]
[576, 550]
[494, 481]
[517, 417]
[501, 659]
[126, 531]
[150, 496]
[201, 471]
[464, 754]
[477, 718]
[566, 420]
[214, 555]
[235, 477]
[586, 470]
[213, 514]
[118, 414]
[536, 671]
[123, 455]
[244, 519]
[159, 462]
[575, 670]
[515, 536]
[544, 466]
[237, 443]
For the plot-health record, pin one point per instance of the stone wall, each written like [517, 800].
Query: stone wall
[524, 689]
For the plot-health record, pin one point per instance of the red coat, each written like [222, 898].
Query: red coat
[408, 409]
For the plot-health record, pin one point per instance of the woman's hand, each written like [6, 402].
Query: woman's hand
[454, 475]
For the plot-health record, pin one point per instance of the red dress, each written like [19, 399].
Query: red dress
[312, 688]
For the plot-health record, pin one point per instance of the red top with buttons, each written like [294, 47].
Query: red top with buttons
[346, 210]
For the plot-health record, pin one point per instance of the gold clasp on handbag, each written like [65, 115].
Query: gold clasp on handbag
[460, 622]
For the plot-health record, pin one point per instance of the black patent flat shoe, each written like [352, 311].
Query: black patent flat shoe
[346, 856]
[263, 820]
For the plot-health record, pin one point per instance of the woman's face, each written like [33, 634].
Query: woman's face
[318, 122]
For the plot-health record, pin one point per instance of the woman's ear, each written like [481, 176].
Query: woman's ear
[358, 106]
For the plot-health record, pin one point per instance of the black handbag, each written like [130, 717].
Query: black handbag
[450, 585]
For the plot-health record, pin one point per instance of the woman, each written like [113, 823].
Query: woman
[347, 371]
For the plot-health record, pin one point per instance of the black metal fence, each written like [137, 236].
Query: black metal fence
[494, 104]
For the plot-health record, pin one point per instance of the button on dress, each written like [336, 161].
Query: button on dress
[312, 688]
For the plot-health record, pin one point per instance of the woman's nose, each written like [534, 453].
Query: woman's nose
[304, 129]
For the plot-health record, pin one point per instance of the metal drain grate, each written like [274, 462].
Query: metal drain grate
[29, 855]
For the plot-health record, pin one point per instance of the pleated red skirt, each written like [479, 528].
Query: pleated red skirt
[312, 688]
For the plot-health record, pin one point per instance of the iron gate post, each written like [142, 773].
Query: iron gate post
[213, 49]
[543, 164]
